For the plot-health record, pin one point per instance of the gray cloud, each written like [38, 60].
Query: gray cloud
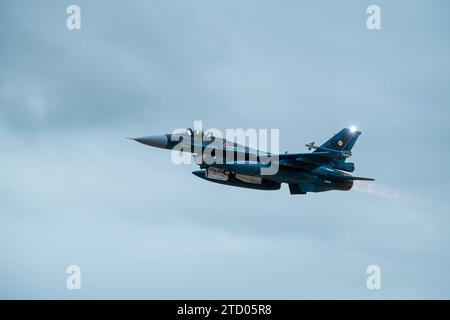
[74, 191]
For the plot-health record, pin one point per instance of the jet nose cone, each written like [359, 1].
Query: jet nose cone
[159, 141]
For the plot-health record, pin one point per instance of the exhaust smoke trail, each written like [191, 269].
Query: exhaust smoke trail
[384, 191]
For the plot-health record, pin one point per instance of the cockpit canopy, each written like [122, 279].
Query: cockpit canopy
[208, 135]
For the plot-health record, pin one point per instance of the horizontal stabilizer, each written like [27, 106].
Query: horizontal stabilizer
[358, 178]
[347, 178]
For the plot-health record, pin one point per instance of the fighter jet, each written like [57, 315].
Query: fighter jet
[229, 163]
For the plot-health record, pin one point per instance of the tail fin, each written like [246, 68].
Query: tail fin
[344, 140]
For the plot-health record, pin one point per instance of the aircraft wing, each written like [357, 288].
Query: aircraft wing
[314, 160]
[309, 159]
[316, 156]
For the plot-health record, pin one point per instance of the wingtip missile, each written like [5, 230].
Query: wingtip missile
[310, 146]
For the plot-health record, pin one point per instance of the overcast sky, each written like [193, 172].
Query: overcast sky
[74, 191]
